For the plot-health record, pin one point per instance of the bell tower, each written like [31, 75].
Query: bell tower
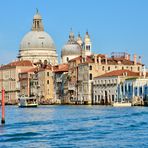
[87, 44]
[37, 22]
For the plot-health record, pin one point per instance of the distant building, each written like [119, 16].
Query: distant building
[109, 88]
[37, 45]
[73, 80]
[46, 84]
[28, 82]
[9, 79]
[98, 65]
[61, 82]
[136, 89]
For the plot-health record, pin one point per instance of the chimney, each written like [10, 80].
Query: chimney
[127, 57]
[144, 72]
[51, 68]
[106, 59]
[135, 59]
[99, 60]
[95, 58]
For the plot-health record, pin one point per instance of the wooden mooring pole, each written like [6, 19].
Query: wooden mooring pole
[3, 106]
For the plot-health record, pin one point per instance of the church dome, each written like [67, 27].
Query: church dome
[37, 16]
[37, 45]
[72, 47]
[37, 39]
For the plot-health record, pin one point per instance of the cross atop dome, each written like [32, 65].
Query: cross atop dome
[37, 22]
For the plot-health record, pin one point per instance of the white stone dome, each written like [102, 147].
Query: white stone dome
[37, 40]
[37, 45]
[71, 49]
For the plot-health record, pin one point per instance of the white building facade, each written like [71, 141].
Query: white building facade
[136, 89]
[110, 88]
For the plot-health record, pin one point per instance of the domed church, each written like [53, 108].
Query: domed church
[76, 47]
[37, 45]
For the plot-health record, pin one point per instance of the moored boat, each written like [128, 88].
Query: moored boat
[122, 104]
[27, 102]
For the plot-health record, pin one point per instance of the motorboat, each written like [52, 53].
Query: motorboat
[122, 104]
[27, 102]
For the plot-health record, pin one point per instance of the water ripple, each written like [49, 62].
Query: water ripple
[75, 126]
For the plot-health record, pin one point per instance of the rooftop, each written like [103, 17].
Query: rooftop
[119, 73]
[17, 63]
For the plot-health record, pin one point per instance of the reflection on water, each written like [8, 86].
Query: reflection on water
[75, 126]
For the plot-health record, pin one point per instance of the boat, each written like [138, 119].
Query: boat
[27, 102]
[122, 104]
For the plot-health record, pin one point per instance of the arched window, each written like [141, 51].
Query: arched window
[88, 47]
[67, 59]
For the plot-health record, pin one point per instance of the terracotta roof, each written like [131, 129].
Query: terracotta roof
[17, 63]
[119, 73]
[30, 70]
[88, 59]
[101, 55]
[60, 68]
[115, 61]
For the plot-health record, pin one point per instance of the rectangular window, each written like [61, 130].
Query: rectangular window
[48, 74]
[47, 81]
[90, 76]
[113, 97]
[90, 67]
[140, 91]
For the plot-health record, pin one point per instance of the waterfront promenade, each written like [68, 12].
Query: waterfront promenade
[74, 126]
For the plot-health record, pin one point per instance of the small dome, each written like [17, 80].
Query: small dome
[37, 39]
[87, 37]
[37, 16]
[71, 49]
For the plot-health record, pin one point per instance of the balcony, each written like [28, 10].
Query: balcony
[58, 80]
[71, 86]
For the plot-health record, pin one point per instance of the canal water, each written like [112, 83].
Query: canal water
[75, 126]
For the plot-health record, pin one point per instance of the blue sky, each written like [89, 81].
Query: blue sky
[114, 25]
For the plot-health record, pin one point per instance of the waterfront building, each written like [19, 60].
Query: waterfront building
[45, 78]
[73, 79]
[9, 78]
[99, 65]
[136, 89]
[108, 88]
[28, 83]
[76, 47]
[37, 45]
[61, 82]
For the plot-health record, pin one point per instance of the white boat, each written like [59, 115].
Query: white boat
[122, 104]
[27, 102]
